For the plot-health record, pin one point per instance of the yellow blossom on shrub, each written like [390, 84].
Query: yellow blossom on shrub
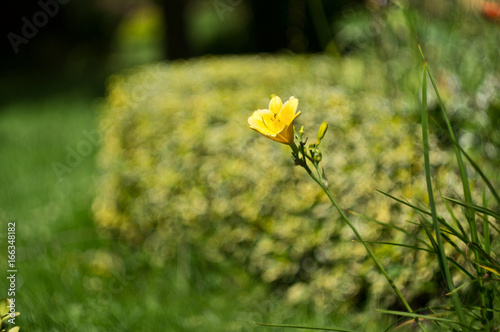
[276, 122]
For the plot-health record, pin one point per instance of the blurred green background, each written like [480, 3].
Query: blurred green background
[56, 67]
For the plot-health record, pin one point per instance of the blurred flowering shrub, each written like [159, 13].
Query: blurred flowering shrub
[180, 167]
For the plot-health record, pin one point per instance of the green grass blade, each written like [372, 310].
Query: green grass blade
[488, 309]
[490, 224]
[451, 260]
[399, 245]
[400, 229]
[454, 245]
[480, 172]
[457, 265]
[405, 203]
[432, 309]
[463, 171]
[449, 229]
[440, 248]
[486, 256]
[472, 163]
[475, 207]
[486, 226]
[417, 316]
[490, 269]
[304, 327]
[446, 227]
[465, 236]
[433, 242]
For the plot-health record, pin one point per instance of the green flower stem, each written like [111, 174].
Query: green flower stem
[303, 163]
[294, 147]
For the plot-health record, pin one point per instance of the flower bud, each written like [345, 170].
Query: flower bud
[318, 156]
[322, 131]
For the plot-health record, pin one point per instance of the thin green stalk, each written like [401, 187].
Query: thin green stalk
[360, 237]
[294, 147]
[440, 248]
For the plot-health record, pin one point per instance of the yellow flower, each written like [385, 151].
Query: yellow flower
[276, 122]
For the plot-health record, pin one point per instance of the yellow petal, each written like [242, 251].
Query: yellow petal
[280, 139]
[287, 113]
[275, 105]
[256, 120]
[286, 135]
